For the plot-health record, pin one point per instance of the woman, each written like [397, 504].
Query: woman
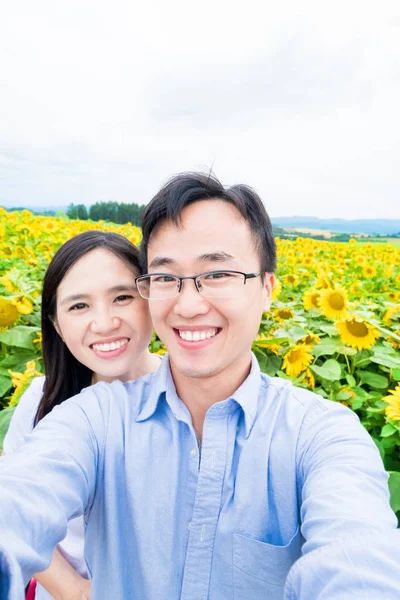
[95, 327]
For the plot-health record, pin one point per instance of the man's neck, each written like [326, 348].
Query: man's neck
[200, 393]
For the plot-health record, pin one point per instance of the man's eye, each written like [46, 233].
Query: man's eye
[219, 275]
[78, 306]
[163, 279]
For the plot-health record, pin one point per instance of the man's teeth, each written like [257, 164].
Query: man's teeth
[196, 336]
[108, 347]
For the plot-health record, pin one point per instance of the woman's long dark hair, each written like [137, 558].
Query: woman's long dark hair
[65, 375]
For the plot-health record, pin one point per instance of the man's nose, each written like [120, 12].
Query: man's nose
[190, 302]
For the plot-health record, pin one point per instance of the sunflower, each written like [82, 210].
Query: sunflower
[393, 312]
[309, 380]
[291, 279]
[277, 289]
[297, 360]
[323, 281]
[333, 302]
[311, 338]
[357, 333]
[393, 404]
[8, 284]
[283, 313]
[369, 271]
[8, 313]
[310, 299]
[24, 306]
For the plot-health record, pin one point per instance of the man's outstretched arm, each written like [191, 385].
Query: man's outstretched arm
[50, 480]
[352, 548]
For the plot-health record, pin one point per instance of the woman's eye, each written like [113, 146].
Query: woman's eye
[123, 298]
[78, 306]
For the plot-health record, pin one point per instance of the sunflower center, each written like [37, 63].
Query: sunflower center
[295, 356]
[285, 313]
[336, 301]
[357, 329]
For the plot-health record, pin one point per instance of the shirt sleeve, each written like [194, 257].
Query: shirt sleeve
[51, 479]
[351, 546]
[21, 424]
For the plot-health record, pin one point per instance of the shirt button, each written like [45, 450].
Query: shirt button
[193, 453]
[189, 525]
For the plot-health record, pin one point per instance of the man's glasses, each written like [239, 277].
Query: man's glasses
[213, 284]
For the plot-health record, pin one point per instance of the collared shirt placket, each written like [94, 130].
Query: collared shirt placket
[203, 526]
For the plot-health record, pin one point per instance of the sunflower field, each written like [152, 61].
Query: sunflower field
[333, 327]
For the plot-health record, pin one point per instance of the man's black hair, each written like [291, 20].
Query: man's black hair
[186, 188]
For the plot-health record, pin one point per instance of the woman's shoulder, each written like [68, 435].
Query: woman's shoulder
[21, 424]
[33, 394]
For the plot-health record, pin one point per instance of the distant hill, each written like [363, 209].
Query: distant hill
[368, 226]
[40, 210]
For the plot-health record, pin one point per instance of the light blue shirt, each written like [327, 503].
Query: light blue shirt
[282, 473]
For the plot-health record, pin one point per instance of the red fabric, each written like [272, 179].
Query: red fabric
[30, 595]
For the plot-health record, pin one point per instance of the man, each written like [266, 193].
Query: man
[207, 480]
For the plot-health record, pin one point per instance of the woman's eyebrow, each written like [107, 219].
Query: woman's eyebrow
[74, 298]
[129, 287]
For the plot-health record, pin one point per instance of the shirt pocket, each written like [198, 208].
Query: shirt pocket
[259, 569]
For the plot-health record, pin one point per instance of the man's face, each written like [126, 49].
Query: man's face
[213, 236]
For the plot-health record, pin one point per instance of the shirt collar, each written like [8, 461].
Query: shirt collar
[247, 395]
[162, 383]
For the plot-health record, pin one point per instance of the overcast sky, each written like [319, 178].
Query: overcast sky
[104, 100]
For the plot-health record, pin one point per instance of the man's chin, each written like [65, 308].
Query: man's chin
[192, 371]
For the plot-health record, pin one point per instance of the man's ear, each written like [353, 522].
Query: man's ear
[269, 282]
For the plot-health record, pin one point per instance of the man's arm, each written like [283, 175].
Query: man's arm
[352, 548]
[50, 480]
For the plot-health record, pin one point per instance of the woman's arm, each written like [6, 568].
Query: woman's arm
[62, 581]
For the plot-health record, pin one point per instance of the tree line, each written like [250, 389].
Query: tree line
[107, 211]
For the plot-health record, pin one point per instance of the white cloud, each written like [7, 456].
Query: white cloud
[102, 100]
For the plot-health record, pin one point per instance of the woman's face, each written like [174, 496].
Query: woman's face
[101, 316]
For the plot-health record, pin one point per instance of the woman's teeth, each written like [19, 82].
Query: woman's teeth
[111, 346]
[196, 336]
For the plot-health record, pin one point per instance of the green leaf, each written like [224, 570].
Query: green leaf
[350, 380]
[343, 395]
[5, 385]
[5, 418]
[396, 374]
[388, 430]
[394, 487]
[20, 336]
[357, 403]
[386, 360]
[379, 382]
[330, 370]
[380, 447]
[326, 348]
[269, 364]
[16, 360]
[329, 329]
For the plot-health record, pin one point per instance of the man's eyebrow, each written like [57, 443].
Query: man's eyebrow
[216, 257]
[219, 256]
[161, 261]
[116, 288]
